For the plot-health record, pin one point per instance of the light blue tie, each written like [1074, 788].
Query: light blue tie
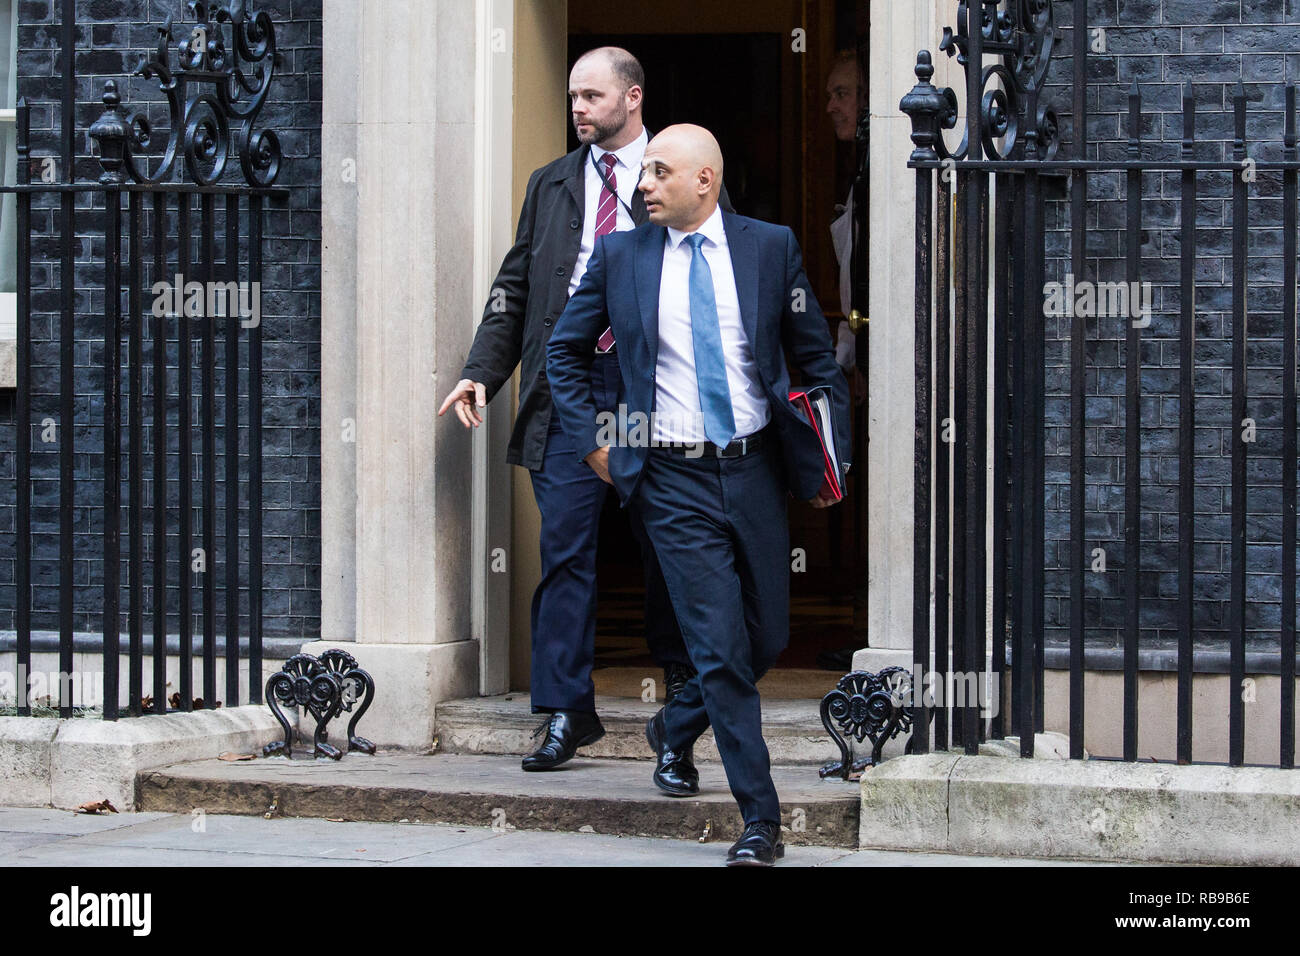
[710, 370]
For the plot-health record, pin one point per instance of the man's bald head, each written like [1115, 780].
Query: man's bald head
[694, 145]
[682, 176]
[622, 65]
[605, 97]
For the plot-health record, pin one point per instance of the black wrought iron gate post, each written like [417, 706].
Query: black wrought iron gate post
[23, 414]
[1009, 145]
[924, 440]
[1078, 261]
[213, 96]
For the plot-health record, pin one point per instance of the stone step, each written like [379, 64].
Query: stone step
[615, 797]
[783, 683]
[504, 725]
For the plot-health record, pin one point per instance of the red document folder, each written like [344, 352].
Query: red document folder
[816, 407]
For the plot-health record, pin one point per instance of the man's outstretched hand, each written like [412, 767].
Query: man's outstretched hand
[464, 397]
[599, 462]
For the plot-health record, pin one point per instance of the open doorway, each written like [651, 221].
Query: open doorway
[754, 73]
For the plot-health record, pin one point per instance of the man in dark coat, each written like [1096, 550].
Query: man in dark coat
[569, 203]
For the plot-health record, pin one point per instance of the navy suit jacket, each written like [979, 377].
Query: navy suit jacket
[780, 316]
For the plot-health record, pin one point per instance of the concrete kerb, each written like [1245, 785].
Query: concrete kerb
[26, 750]
[1082, 809]
[66, 762]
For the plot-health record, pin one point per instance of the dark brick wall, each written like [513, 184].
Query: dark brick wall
[1162, 44]
[112, 36]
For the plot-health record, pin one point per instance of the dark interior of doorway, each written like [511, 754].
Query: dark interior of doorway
[730, 84]
[727, 83]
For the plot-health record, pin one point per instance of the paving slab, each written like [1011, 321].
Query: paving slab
[613, 797]
[68, 822]
[533, 848]
[290, 838]
[66, 854]
[903, 858]
[170, 840]
[11, 843]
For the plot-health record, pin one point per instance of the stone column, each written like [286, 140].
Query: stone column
[398, 194]
[341, 21]
[897, 32]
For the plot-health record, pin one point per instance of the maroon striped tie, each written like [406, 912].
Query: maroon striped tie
[606, 220]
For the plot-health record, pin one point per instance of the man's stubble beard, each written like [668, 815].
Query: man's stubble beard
[602, 131]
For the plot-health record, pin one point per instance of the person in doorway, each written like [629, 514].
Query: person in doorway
[846, 95]
[569, 204]
[707, 306]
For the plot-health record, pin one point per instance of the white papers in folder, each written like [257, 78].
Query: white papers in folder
[819, 398]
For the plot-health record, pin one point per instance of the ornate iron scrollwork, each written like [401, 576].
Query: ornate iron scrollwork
[325, 686]
[865, 705]
[1022, 33]
[356, 686]
[214, 96]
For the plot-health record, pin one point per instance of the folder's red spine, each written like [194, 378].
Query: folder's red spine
[829, 478]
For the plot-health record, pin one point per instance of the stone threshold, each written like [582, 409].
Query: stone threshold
[780, 683]
[614, 797]
[504, 725]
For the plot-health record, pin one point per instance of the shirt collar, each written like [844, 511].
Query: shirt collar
[628, 156]
[712, 229]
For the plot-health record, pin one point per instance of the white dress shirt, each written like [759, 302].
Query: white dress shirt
[678, 412]
[627, 170]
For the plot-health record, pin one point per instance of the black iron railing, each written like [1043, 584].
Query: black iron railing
[1010, 143]
[225, 72]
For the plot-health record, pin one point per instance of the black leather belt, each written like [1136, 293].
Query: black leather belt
[734, 449]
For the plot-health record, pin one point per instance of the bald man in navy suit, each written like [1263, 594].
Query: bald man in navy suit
[706, 306]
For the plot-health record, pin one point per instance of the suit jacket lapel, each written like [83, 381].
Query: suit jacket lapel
[744, 264]
[649, 267]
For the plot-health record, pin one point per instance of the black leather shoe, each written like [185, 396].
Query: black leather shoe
[566, 731]
[675, 678]
[675, 772]
[759, 845]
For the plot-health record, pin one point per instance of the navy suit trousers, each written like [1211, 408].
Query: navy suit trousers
[719, 529]
[570, 497]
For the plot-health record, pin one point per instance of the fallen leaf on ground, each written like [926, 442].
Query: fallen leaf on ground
[196, 704]
[96, 806]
